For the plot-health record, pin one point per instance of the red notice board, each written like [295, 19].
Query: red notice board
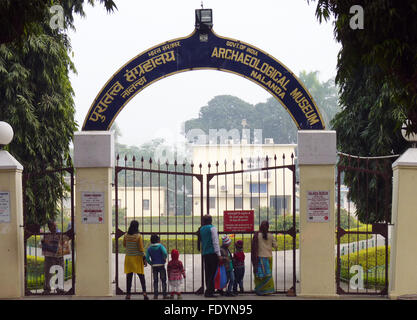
[235, 221]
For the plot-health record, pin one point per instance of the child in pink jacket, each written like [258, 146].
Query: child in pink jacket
[176, 273]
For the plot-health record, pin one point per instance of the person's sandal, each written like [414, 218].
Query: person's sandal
[127, 297]
[145, 297]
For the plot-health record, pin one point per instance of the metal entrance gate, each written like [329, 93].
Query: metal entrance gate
[362, 247]
[49, 258]
[169, 200]
[269, 189]
[165, 199]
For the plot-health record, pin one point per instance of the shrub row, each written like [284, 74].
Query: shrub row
[35, 272]
[372, 261]
[188, 244]
[348, 238]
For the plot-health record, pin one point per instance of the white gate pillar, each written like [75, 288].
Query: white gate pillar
[93, 162]
[11, 220]
[11, 232]
[317, 158]
[403, 259]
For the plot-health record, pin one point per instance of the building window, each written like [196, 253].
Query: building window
[254, 202]
[238, 203]
[257, 188]
[145, 204]
[279, 203]
[212, 202]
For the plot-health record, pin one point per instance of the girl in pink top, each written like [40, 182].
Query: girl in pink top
[176, 273]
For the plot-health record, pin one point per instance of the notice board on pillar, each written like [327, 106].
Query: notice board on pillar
[4, 207]
[235, 221]
[318, 206]
[92, 207]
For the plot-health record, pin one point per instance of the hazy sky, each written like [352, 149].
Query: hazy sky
[286, 29]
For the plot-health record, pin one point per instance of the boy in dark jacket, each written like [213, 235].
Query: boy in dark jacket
[156, 256]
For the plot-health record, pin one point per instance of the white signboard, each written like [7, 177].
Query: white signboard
[4, 207]
[92, 206]
[318, 206]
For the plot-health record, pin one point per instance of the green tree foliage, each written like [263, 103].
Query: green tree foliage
[385, 49]
[37, 98]
[37, 102]
[377, 75]
[21, 18]
[227, 112]
[325, 94]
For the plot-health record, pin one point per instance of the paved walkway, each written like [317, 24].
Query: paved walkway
[242, 297]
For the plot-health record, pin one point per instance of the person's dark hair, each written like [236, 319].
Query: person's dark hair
[154, 238]
[207, 219]
[51, 225]
[134, 227]
[264, 227]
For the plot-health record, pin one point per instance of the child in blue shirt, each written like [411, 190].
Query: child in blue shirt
[156, 256]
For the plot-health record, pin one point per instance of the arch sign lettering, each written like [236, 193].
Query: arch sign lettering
[203, 49]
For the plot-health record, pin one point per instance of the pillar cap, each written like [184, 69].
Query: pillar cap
[407, 159]
[317, 147]
[8, 162]
[94, 149]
